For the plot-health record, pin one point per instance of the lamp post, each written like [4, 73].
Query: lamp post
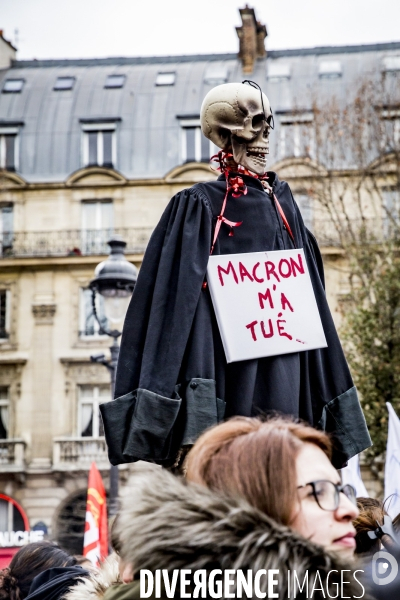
[114, 280]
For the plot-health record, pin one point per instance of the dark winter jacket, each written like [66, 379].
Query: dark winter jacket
[167, 524]
[53, 584]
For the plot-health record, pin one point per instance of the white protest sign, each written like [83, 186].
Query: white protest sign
[264, 303]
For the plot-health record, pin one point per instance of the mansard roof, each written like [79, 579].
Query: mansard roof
[147, 116]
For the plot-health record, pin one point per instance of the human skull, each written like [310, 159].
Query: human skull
[232, 117]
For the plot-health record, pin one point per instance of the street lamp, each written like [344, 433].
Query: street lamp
[114, 280]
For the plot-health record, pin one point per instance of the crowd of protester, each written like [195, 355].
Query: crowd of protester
[253, 495]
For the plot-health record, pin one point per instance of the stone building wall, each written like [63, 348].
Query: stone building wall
[45, 358]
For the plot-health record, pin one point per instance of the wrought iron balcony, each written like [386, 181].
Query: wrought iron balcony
[78, 242]
[78, 453]
[12, 455]
[71, 242]
[370, 230]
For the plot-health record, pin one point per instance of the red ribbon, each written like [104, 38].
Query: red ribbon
[238, 188]
[284, 219]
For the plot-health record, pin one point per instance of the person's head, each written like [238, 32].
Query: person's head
[371, 515]
[84, 562]
[28, 562]
[274, 465]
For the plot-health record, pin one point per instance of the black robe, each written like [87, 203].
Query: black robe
[172, 378]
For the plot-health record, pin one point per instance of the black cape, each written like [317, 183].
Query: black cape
[54, 583]
[172, 378]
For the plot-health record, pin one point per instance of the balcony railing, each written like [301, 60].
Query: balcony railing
[78, 242]
[71, 242]
[70, 454]
[370, 230]
[12, 455]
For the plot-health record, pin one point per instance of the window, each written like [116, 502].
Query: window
[99, 147]
[296, 135]
[89, 325]
[305, 204]
[391, 63]
[391, 211]
[8, 154]
[6, 227]
[391, 121]
[115, 81]
[64, 83]
[278, 71]
[98, 215]
[4, 413]
[166, 78]
[97, 225]
[4, 314]
[216, 74]
[89, 418]
[11, 517]
[195, 147]
[330, 69]
[13, 86]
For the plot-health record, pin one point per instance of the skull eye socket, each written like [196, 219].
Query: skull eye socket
[224, 135]
[257, 121]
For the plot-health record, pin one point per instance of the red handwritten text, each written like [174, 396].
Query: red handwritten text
[279, 327]
[283, 269]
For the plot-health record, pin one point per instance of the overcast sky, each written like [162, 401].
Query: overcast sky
[97, 28]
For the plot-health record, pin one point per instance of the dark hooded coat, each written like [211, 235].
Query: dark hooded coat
[173, 380]
[54, 583]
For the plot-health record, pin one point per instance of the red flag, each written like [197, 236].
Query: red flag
[95, 543]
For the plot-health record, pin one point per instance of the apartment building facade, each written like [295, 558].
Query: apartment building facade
[90, 148]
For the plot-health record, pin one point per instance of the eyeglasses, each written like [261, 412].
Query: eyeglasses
[327, 493]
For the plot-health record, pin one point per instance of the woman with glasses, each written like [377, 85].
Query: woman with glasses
[283, 469]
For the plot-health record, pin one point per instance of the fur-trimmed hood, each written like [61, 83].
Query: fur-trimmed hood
[168, 524]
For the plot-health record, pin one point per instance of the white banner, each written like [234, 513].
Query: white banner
[392, 465]
[264, 303]
[352, 475]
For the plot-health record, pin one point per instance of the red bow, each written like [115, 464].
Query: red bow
[237, 186]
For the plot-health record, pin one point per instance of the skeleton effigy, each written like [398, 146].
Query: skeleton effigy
[173, 378]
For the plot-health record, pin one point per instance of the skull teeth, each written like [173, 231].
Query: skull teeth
[256, 154]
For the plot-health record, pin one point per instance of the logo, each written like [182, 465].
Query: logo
[384, 568]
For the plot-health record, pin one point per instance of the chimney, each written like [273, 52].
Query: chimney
[251, 36]
[7, 52]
